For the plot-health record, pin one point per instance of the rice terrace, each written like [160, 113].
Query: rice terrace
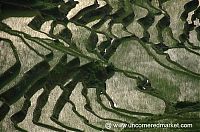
[100, 65]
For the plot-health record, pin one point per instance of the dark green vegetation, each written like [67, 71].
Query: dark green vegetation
[99, 66]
